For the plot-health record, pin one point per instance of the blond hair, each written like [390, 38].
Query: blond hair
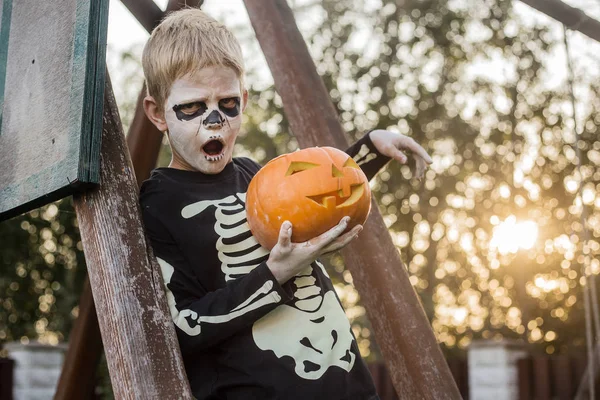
[186, 41]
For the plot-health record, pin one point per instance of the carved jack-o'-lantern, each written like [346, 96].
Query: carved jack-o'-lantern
[312, 188]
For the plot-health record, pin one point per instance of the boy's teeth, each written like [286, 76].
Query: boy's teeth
[214, 158]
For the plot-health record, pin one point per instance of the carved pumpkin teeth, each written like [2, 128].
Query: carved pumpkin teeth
[357, 192]
[330, 200]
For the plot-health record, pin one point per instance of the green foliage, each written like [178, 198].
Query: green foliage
[42, 272]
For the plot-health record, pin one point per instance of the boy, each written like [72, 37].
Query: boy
[251, 324]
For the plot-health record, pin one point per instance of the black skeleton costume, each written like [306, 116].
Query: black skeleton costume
[242, 335]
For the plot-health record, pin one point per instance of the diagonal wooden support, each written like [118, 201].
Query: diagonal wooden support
[413, 357]
[143, 140]
[145, 11]
[140, 343]
[78, 375]
[573, 18]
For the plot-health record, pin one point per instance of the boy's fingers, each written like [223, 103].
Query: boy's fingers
[420, 168]
[324, 239]
[418, 150]
[398, 155]
[285, 234]
[343, 240]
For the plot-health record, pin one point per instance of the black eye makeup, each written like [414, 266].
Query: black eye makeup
[189, 111]
[230, 106]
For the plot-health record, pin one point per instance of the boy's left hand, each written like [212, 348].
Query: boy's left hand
[391, 144]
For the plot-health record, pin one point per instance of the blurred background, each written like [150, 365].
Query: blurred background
[497, 238]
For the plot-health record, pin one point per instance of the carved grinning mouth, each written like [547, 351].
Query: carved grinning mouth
[335, 199]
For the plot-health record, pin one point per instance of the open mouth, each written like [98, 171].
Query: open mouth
[213, 149]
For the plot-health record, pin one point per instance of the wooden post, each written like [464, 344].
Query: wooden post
[573, 18]
[542, 378]
[562, 375]
[78, 375]
[525, 382]
[144, 142]
[138, 335]
[414, 359]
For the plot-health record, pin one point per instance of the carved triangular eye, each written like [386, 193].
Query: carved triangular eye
[336, 172]
[351, 163]
[299, 166]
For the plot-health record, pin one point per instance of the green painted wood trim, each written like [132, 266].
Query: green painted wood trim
[89, 54]
[95, 93]
[4, 34]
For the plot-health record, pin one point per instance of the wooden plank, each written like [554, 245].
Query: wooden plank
[149, 14]
[144, 142]
[542, 380]
[145, 11]
[50, 121]
[138, 334]
[562, 376]
[78, 376]
[573, 18]
[582, 373]
[459, 370]
[413, 357]
[6, 378]
[525, 374]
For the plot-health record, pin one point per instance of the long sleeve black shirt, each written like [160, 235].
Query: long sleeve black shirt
[242, 334]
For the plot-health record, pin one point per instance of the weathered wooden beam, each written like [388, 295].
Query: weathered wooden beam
[413, 357]
[144, 142]
[149, 14]
[139, 338]
[78, 375]
[145, 11]
[573, 18]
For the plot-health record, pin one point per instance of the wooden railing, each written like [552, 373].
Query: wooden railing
[540, 377]
[6, 378]
[545, 378]
[385, 388]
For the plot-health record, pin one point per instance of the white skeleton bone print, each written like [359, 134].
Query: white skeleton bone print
[313, 329]
[231, 222]
[364, 155]
[180, 317]
[315, 333]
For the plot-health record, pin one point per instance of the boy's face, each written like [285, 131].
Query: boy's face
[203, 114]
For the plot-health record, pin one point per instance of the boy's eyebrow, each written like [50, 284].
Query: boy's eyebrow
[203, 98]
[229, 95]
[190, 100]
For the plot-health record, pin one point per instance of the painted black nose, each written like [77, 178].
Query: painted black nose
[214, 118]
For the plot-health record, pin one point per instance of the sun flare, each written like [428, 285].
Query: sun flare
[510, 236]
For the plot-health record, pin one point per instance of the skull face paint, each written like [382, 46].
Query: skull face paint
[203, 116]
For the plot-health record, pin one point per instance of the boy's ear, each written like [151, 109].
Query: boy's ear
[245, 100]
[154, 113]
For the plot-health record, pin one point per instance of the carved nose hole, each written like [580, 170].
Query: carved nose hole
[336, 172]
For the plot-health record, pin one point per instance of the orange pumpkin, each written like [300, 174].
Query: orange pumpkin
[312, 188]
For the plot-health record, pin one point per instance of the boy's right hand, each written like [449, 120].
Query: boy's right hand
[287, 259]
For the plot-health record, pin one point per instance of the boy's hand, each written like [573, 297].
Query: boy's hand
[287, 259]
[391, 144]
